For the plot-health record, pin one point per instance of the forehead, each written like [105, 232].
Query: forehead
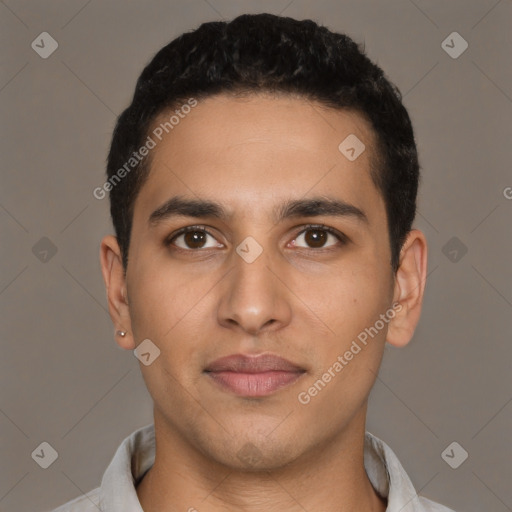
[259, 147]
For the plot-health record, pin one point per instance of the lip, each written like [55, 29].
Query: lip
[253, 376]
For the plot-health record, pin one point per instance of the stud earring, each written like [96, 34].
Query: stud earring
[121, 333]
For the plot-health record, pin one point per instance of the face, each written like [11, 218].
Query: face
[267, 271]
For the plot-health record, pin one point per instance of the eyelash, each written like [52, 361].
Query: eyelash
[342, 238]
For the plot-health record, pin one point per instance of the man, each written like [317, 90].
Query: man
[263, 187]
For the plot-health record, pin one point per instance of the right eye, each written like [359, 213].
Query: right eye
[192, 238]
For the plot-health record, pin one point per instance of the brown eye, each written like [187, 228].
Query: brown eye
[194, 238]
[317, 238]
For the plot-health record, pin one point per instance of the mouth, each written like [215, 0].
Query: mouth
[253, 376]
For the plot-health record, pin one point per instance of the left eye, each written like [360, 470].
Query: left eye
[316, 238]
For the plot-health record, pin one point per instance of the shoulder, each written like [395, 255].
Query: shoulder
[86, 503]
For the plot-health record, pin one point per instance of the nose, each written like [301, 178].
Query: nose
[253, 299]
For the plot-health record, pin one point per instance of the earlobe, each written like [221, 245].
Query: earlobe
[115, 284]
[409, 289]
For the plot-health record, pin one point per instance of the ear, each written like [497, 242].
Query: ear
[115, 284]
[409, 288]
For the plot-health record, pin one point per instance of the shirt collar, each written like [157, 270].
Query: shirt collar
[133, 458]
[136, 455]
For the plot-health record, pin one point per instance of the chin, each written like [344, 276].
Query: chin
[257, 454]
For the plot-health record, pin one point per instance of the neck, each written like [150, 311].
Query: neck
[330, 478]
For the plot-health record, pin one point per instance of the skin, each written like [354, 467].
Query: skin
[306, 304]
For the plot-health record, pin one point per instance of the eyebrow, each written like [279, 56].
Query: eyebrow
[311, 207]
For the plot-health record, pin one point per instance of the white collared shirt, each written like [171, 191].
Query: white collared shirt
[136, 455]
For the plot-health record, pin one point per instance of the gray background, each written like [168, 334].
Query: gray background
[63, 379]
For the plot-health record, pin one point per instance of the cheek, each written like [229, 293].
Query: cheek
[173, 309]
[169, 310]
[349, 298]
[161, 296]
[349, 356]
[348, 359]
